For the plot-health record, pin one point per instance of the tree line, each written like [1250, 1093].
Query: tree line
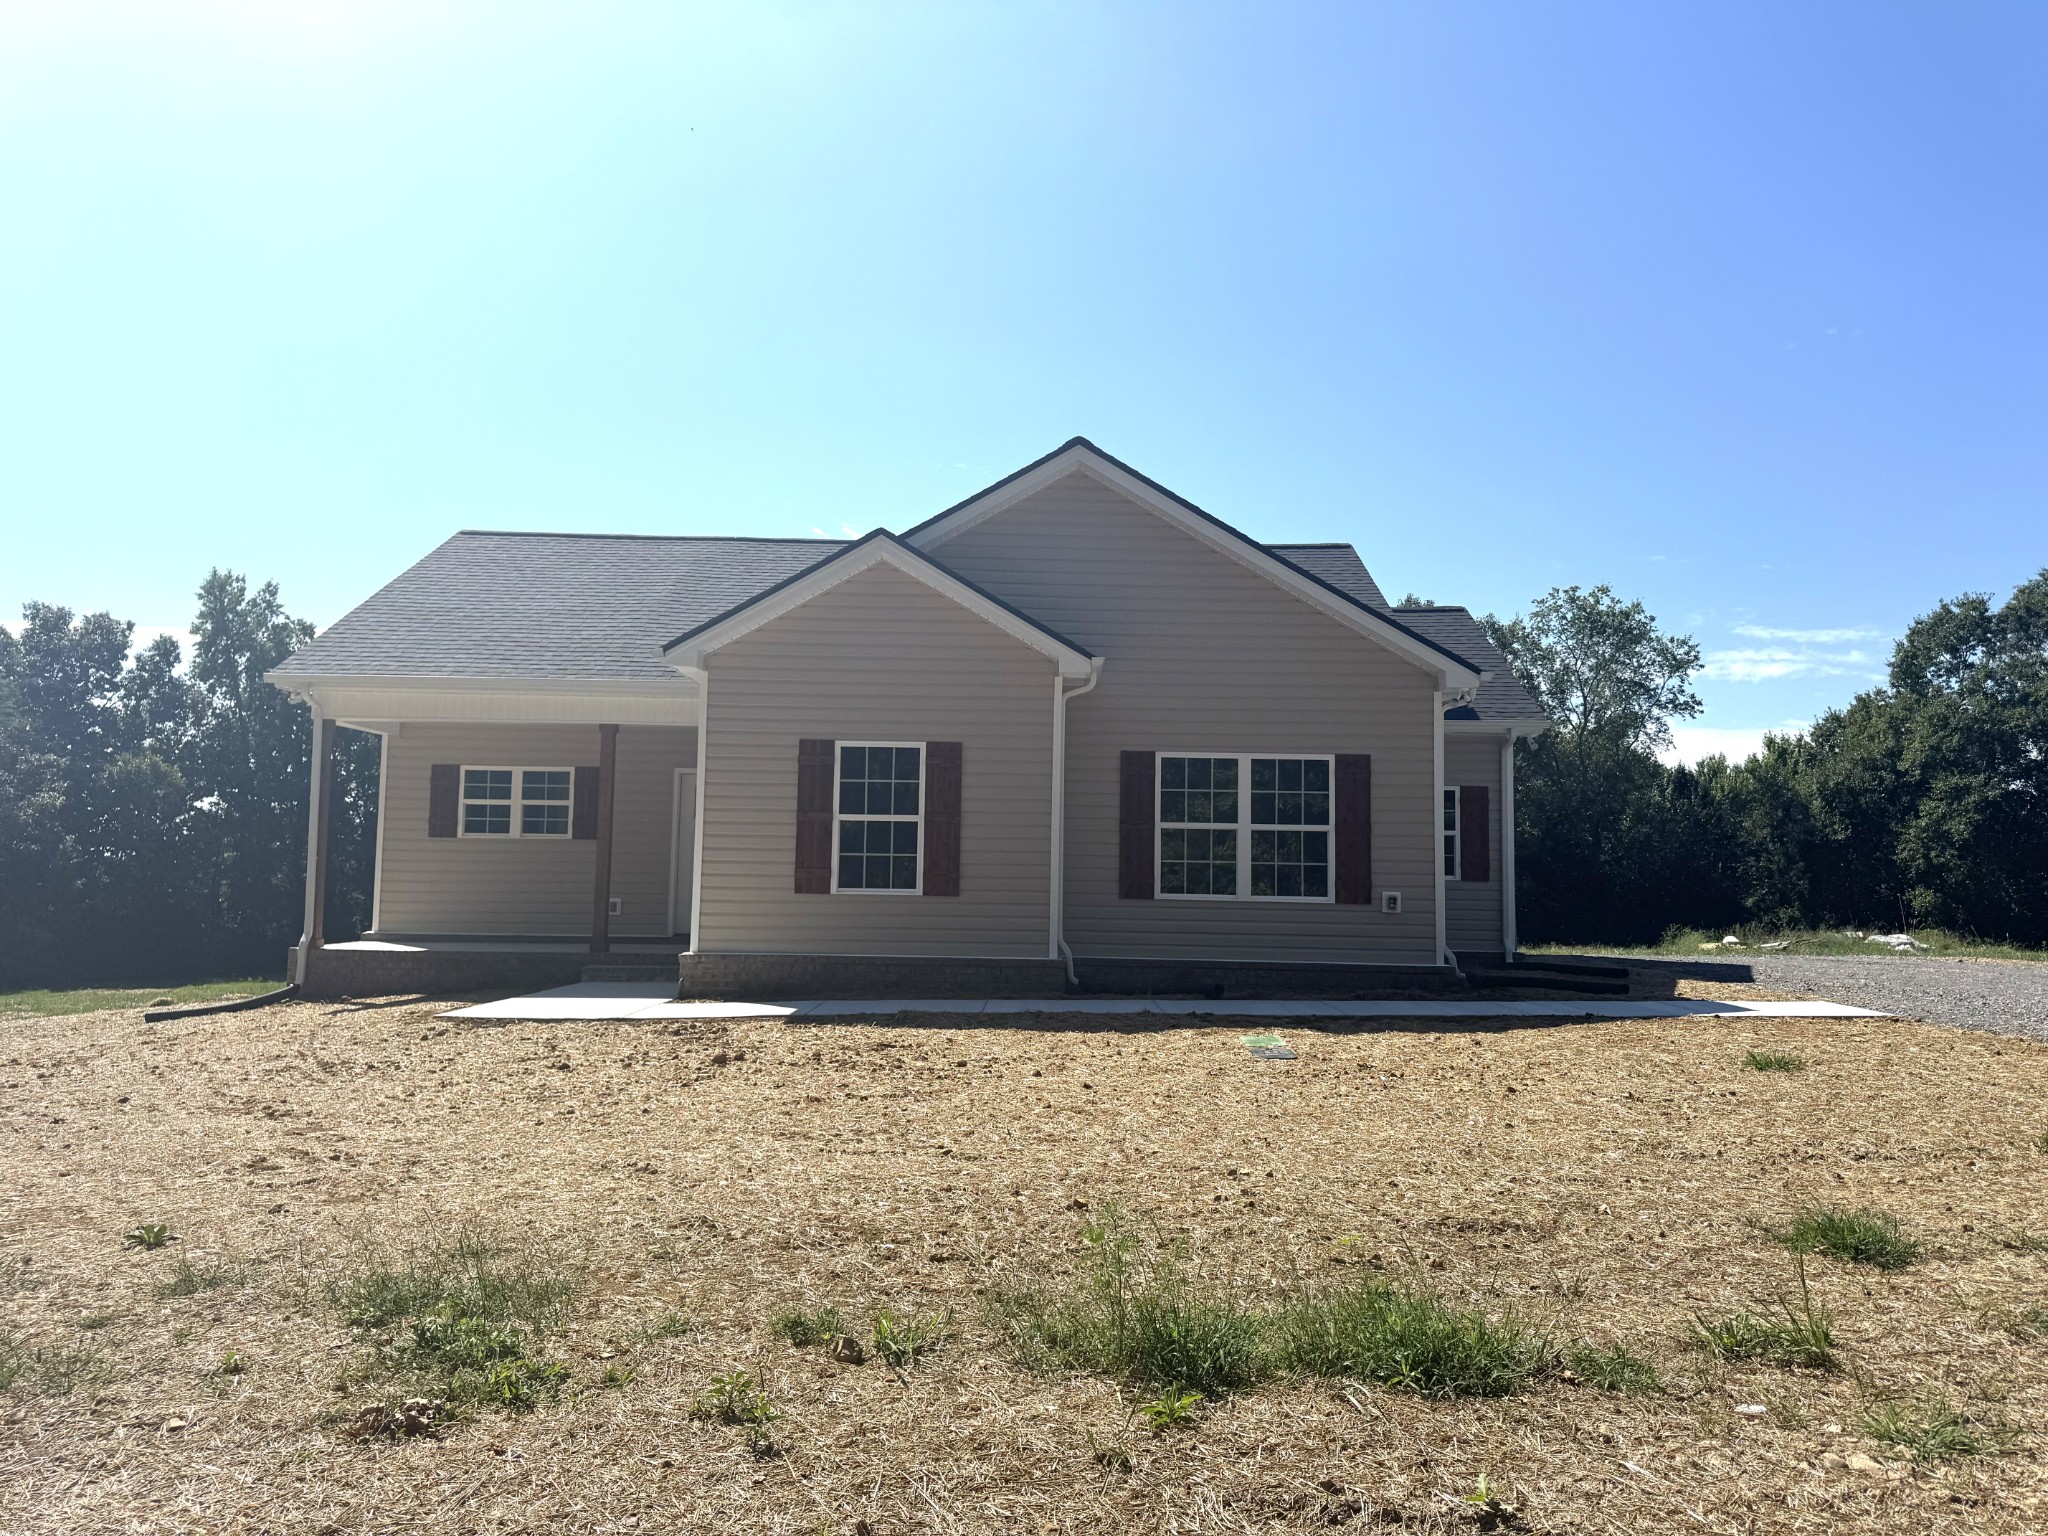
[1921, 803]
[153, 805]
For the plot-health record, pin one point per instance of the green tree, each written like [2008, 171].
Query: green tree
[1600, 666]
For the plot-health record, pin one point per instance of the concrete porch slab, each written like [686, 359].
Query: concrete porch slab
[622, 1000]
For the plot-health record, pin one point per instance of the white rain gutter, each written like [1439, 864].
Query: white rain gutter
[1057, 949]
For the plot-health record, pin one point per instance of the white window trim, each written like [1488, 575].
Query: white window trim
[463, 802]
[924, 759]
[1244, 827]
[1451, 839]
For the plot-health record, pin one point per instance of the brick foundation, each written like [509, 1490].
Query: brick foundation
[770, 978]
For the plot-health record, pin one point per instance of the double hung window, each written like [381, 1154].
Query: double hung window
[878, 817]
[516, 802]
[1245, 826]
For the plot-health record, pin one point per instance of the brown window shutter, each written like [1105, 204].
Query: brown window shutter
[1354, 828]
[942, 818]
[1475, 851]
[815, 763]
[1137, 805]
[444, 799]
[582, 806]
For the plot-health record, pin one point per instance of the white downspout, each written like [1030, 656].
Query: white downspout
[1509, 940]
[702, 677]
[1056, 948]
[1436, 822]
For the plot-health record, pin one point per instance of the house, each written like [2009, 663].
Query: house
[1073, 730]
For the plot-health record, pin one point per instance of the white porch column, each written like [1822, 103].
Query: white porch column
[1508, 938]
[319, 803]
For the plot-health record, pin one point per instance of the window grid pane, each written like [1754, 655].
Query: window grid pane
[876, 782]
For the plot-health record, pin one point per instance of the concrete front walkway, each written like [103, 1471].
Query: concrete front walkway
[596, 1000]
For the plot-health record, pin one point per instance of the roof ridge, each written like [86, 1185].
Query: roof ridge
[669, 538]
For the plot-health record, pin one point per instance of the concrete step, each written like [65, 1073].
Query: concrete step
[630, 970]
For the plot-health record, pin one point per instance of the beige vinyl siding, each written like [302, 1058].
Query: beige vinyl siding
[1471, 910]
[527, 886]
[1205, 654]
[879, 657]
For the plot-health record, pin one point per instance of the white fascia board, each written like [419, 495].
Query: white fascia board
[1496, 727]
[1450, 674]
[693, 653]
[511, 701]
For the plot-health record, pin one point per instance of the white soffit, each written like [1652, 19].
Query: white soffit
[1081, 459]
[690, 653]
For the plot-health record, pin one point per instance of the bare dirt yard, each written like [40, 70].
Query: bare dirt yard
[652, 1207]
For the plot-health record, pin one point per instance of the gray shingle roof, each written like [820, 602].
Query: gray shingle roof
[1339, 565]
[1501, 699]
[548, 605]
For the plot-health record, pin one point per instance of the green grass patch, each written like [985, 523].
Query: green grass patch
[808, 1326]
[1855, 1237]
[189, 1279]
[1615, 1369]
[1773, 1061]
[1789, 1331]
[1937, 1431]
[1409, 1339]
[49, 1370]
[1136, 1315]
[47, 1004]
[464, 1322]
[902, 1339]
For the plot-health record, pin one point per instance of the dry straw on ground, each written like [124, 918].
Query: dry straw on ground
[1601, 1178]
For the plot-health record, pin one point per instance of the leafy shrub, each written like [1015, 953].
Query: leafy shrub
[1856, 1237]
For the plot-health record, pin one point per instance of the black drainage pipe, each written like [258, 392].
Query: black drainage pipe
[234, 1005]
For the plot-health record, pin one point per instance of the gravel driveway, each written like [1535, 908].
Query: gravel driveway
[2006, 997]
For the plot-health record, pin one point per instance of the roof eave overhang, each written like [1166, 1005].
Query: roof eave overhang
[689, 652]
[1450, 669]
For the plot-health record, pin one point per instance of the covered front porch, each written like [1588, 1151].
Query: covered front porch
[465, 898]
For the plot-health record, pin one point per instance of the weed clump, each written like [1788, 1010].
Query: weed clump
[462, 1322]
[1773, 1061]
[1855, 1237]
[808, 1326]
[737, 1399]
[1935, 1431]
[1409, 1339]
[148, 1237]
[189, 1279]
[903, 1340]
[1618, 1369]
[50, 1370]
[1784, 1333]
[1137, 1316]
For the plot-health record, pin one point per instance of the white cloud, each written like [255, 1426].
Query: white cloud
[1835, 652]
[849, 530]
[1737, 743]
[1809, 636]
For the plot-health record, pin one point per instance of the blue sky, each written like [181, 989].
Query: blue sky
[1738, 308]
